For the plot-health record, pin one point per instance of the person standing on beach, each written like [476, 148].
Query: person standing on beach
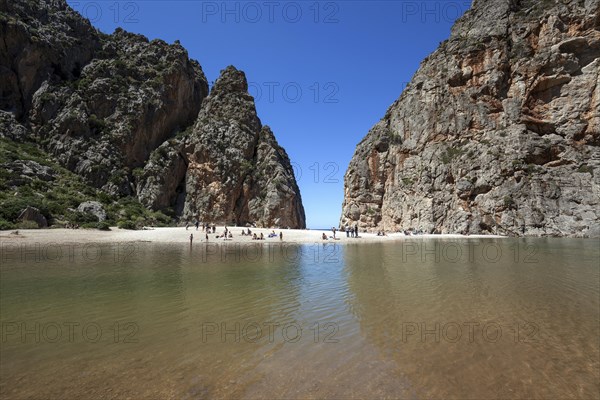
[356, 230]
[191, 238]
[187, 225]
[197, 224]
[333, 230]
[347, 232]
[280, 236]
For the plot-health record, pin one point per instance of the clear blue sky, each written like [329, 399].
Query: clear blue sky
[322, 72]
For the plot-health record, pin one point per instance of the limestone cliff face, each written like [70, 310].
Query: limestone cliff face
[128, 115]
[126, 102]
[237, 173]
[498, 130]
[99, 103]
[40, 39]
[272, 192]
[161, 184]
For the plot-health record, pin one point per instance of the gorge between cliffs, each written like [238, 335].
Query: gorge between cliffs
[497, 132]
[212, 204]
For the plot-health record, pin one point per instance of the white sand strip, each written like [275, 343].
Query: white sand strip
[181, 235]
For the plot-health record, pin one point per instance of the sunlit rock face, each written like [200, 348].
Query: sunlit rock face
[498, 130]
[237, 172]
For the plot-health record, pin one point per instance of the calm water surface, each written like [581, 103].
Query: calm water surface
[464, 319]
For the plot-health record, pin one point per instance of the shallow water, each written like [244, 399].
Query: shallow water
[483, 318]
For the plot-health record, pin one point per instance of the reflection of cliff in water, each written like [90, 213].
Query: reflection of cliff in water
[475, 328]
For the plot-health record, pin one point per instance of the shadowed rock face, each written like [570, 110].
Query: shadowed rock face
[127, 101]
[237, 173]
[125, 113]
[273, 197]
[40, 39]
[498, 130]
[99, 103]
[161, 183]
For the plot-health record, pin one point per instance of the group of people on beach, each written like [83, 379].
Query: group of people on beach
[228, 235]
[350, 232]
[225, 235]
[208, 229]
[412, 232]
[205, 227]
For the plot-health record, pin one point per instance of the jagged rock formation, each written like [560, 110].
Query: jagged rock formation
[11, 129]
[272, 186]
[118, 109]
[126, 103]
[99, 103]
[40, 39]
[237, 172]
[498, 130]
[161, 182]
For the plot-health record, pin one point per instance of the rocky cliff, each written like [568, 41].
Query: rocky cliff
[120, 111]
[237, 172]
[131, 98]
[498, 130]
[40, 39]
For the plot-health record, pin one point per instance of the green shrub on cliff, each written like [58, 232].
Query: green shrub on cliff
[6, 225]
[58, 197]
[127, 224]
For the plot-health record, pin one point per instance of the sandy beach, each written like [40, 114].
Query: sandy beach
[181, 235]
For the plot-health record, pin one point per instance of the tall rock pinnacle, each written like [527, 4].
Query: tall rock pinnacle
[237, 172]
